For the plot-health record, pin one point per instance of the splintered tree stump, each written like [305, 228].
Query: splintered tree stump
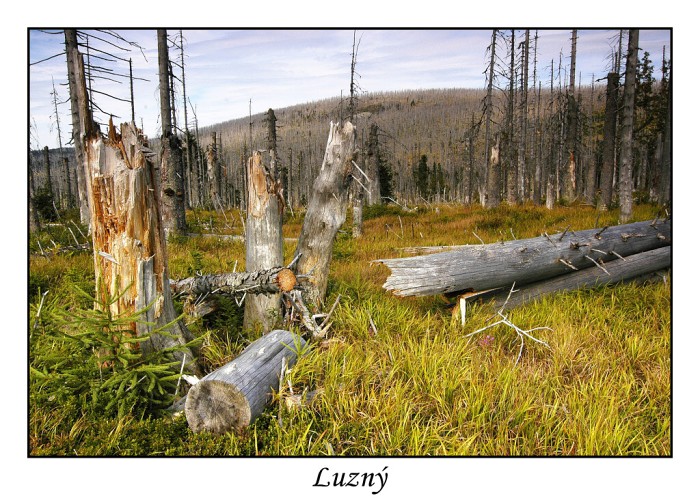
[489, 266]
[233, 396]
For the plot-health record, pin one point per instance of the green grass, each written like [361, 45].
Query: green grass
[417, 386]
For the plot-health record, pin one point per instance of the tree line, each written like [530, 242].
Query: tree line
[518, 140]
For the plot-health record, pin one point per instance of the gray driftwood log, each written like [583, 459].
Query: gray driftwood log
[489, 266]
[233, 396]
[619, 270]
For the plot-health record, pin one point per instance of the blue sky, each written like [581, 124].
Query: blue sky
[226, 69]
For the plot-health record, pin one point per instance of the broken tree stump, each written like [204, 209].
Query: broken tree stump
[233, 396]
[128, 238]
[489, 266]
[263, 237]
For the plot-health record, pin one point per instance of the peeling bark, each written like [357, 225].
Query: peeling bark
[618, 270]
[263, 240]
[128, 236]
[327, 211]
[488, 266]
[269, 281]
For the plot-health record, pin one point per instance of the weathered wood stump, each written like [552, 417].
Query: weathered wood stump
[233, 396]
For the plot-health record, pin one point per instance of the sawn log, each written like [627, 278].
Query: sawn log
[233, 396]
[489, 266]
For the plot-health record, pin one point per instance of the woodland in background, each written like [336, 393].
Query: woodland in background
[430, 145]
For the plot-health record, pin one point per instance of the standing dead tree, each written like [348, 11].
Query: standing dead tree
[128, 238]
[263, 236]
[80, 115]
[626, 151]
[326, 211]
[172, 173]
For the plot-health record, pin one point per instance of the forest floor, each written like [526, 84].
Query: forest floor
[396, 376]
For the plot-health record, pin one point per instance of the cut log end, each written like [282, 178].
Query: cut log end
[286, 280]
[217, 407]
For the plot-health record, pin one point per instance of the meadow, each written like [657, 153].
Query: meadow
[395, 376]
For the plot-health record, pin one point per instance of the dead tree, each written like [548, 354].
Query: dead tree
[326, 211]
[172, 173]
[626, 152]
[373, 159]
[81, 117]
[484, 190]
[128, 238]
[571, 126]
[493, 196]
[268, 281]
[213, 172]
[489, 266]
[263, 236]
[609, 132]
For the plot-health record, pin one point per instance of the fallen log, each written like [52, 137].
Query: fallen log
[489, 266]
[620, 270]
[233, 396]
[270, 281]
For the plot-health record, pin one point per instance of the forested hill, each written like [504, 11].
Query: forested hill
[411, 123]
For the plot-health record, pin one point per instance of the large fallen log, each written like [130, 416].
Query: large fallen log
[233, 396]
[619, 270]
[489, 266]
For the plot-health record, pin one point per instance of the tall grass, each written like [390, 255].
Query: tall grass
[398, 376]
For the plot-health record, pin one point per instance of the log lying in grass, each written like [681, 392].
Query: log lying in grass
[630, 268]
[270, 281]
[234, 395]
[489, 266]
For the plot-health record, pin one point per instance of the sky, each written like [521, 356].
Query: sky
[232, 72]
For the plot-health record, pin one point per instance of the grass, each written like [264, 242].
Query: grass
[417, 386]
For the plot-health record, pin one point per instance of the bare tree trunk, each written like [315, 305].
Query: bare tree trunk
[327, 210]
[263, 238]
[171, 171]
[522, 145]
[493, 197]
[510, 162]
[233, 396]
[571, 126]
[34, 223]
[81, 118]
[129, 239]
[484, 193]
[609, 132]
[213, 172]
[626, 153]
[666, 165]
[373, 165]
